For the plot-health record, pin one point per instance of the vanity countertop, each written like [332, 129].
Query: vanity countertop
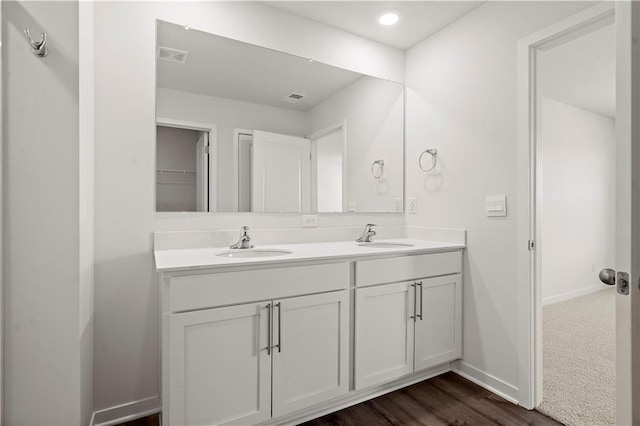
[202, 258]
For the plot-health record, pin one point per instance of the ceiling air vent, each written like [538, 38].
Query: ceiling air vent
[172, 55]
[293, 98]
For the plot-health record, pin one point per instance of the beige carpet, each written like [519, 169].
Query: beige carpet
[579, 360]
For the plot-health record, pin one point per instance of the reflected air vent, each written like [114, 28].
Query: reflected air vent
[172, 55]
[293, 98]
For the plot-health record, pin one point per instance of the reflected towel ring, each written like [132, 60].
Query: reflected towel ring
[434, 159]
[380, 164]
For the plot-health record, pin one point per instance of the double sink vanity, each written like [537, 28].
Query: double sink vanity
[286, 333]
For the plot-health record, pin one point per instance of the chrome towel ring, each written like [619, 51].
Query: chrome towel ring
[380, 164]
[434, 159]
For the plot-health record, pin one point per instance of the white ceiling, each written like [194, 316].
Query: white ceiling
[217, 66]
[582, 72]
[418, 19]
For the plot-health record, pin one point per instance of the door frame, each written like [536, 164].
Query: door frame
[342, 125]
[212, 130]
[235, 183]
[529, 191]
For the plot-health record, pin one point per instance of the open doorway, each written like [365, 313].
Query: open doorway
[182, 169]
[576, 224]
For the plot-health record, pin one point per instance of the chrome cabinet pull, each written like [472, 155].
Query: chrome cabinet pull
[419, 284]
[269, 329]
[279, 305]
[413, 317]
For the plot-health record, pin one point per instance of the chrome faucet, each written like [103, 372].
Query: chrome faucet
[368, 234]
[244, 242]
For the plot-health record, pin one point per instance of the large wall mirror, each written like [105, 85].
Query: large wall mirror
[241, 128]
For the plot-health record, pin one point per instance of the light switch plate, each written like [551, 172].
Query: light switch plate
[496, 205]
[412, 205]
[310, 221]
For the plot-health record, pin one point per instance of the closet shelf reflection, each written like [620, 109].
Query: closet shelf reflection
[176, 172]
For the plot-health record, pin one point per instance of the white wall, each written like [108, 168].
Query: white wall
[47, 312]
[228, 114]
[461, 99]
[126, 288]
[373, 110]
[578, 203]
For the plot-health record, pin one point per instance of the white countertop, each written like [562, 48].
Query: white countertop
[201, 258]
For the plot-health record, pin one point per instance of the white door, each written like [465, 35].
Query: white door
[220, 368]
[281, 173]
[628, 211]
[438, 334]
[202, 173]
[310, 350]
[384, 333]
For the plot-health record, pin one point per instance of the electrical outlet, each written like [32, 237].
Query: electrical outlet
[412, 204]
[397, 204]
[310, 221]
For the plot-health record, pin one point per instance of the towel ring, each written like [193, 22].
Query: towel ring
[380, 164]
[434, 159]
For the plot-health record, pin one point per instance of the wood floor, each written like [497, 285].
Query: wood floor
[444, 400]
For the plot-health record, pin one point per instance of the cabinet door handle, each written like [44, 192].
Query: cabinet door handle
[279, 305]
[269, 329]
[413, 317]
[419, 284]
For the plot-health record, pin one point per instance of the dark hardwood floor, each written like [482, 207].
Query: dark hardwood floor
[444, 400]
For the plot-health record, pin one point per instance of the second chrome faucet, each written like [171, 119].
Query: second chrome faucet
[368, 234]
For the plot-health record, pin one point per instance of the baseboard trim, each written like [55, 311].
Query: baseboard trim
[486, 380]
[572, 294]
[126, 412]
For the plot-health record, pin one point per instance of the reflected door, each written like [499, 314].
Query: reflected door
[281, 173]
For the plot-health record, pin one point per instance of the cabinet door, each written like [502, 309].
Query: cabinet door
[310, 350]
[384, 333]
[220, 371]
[438, 335]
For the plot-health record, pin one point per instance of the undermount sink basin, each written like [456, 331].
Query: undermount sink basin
[243, 253]
[382, 244]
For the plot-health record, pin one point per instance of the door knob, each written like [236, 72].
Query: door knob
[611, 277]
[608, 276]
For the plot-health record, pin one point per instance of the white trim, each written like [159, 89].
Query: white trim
[486, 380]
[235, 195]
[572, 294]
[2, 191]
[212, 129]
[318, 134]
[126, 412]
[529, 290]
[86, 201]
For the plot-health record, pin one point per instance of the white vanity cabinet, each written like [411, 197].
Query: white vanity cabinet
[247, 363]
[403, 327]
[283, 342]
[310, 350]
[220, 369]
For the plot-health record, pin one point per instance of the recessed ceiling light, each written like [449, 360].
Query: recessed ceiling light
[389, 17]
